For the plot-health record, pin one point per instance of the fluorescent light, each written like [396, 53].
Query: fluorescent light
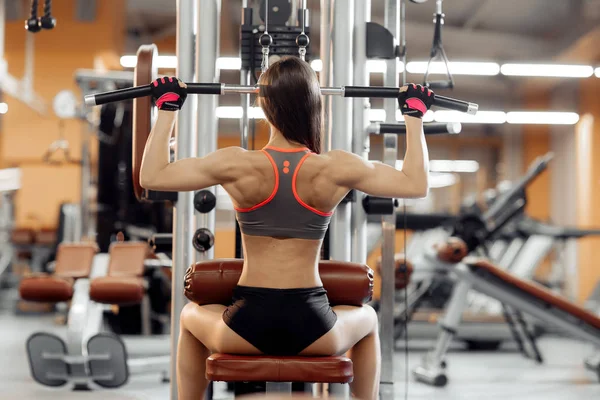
[548, 70]
[317, 65]
[468, 166]
[455, 67]
[229, 63]
[544, 118]
[437, 181]
[162, 62]
[597, 72]
[482, 117]
[377, 115]
[453, 166]
[236, 112]
[3, 108]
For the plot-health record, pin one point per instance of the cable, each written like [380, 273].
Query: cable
[406, 313]
[302, 40]
[266, 41]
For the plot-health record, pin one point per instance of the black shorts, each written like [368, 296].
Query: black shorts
[280, 322]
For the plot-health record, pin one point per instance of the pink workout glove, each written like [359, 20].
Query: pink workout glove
[416, 100]
[169, 94]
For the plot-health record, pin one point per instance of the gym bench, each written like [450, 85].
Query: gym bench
[89, 355]
[212, 282]
[518, 294]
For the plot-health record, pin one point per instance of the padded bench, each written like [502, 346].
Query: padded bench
[484, 268]
[213, 281]
[73, 261]
[124, 283]
[404, 270]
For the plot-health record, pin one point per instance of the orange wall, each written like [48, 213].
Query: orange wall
[588, 185]
[27, 134]
[536, 142]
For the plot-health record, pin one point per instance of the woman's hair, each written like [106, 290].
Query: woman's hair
[290, 97]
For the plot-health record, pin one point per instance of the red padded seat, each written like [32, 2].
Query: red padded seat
[46, 288]
[118, 290]
[124, 284]
[481, 266]
[237, 368]
[73, 261]
[213, 281]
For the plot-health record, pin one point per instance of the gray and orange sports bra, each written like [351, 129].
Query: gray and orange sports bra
[283, 213]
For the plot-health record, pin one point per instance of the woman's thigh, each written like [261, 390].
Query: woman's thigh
[352, 325]
[207, 325]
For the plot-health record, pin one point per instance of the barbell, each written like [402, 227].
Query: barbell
[146, 72]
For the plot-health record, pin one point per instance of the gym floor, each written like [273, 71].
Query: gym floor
[498, 375]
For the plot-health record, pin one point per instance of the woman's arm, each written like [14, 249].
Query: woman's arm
[158, 173]
[350, 171]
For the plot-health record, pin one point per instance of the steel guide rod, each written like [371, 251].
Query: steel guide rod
[221, 89]
[388, 222]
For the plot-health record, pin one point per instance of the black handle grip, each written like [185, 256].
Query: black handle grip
[440, 85]
[372, 91]
[146, 90]
[433, 128]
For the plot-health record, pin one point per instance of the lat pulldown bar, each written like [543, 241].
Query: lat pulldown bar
[221, 88]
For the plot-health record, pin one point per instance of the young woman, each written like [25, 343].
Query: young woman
[284, 196]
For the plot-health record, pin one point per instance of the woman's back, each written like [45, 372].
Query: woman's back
[283, 205]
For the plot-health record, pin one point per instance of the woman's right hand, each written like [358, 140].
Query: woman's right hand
[415, 100]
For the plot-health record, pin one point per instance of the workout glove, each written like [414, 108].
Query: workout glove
[415, 101]
[169, 94]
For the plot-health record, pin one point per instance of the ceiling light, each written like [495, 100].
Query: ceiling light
[455, 67]
[468, 166]
[547, 70]
[437, 181]
[162, 62]
[549, 118]
[597, 72]
[317, 65]
[3, 108]
[482, 117]
[236, 112]
[453, 166]
[229, 63]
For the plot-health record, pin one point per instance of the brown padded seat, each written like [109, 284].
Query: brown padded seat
[232, 368]
[117, 290]
[45, 237]
[213, 281]
[452, 251]
[22, 237]
[480, 265]
[402, 278]
[46, 288]
[73, 261]
[123, 284]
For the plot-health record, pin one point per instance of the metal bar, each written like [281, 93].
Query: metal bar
[220, 88]
[86, 177]
[360, 138]
[390, 156]
[183, 226]
[341, 118]
[325, 74]
[2, 27]
[244, 122]
[207, 52]
[434, 128]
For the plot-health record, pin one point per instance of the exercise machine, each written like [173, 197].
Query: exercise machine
[89, 358]
[517, 295]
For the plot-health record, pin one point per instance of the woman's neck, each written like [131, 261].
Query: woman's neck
[277, 140]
